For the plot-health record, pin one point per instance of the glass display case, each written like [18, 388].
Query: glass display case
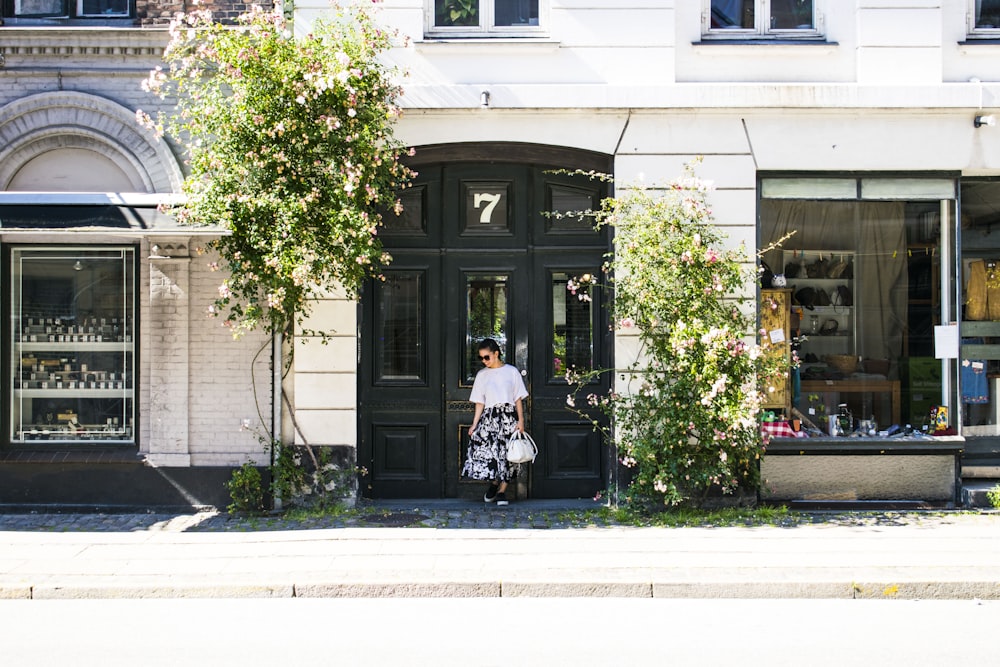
[72, 363]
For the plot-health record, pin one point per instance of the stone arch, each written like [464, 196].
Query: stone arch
[37, 125]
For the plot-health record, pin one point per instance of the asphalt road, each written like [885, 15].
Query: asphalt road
[487, 632]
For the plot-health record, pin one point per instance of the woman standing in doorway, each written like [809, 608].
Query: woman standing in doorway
[499, 394]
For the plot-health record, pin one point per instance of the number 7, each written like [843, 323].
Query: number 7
[492, 201]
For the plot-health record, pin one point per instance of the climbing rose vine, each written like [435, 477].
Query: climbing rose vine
[684, 416]
[291, 151]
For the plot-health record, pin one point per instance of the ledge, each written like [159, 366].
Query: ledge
[950, 445]
[487, 44]
[72, 454]
[740, 46]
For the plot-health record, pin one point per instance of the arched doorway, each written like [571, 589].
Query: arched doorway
[474, 256]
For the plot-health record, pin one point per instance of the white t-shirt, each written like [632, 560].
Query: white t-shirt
[495, 386]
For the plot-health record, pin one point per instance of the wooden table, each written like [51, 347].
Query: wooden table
[858, 387]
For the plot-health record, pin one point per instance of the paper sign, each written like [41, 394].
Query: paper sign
[777, 336]
[977, 365]
[946, 341]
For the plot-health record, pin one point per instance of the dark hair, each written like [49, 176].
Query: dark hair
[489, 344]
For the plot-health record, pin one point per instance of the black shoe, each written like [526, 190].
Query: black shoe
[491, 493]
[501, 499]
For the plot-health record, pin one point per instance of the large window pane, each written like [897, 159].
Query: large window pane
[572, 329]
[73, 343]
[516, 12]
[733, 14]
[987, 14]
[866, 293]
[103, 8]
[39, 8]
[792, 15]
[400, 347]
[461, 13]
[979, 367]
[488, 317]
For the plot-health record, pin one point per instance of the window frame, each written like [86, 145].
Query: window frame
[486, 27]
[762, 8]
[975, 31]
[69, 10]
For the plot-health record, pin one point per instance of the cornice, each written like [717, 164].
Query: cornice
[29, 45]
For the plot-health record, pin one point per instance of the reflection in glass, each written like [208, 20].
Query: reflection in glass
[451, 13]
[573, 329]
[72, 342]
[487, 308]
[565, 200]
[988, 14]
[791, 14]
[103, 8]
[733, 14]
[516, 12]
[399, 352]
[411, 220]
[39, 8]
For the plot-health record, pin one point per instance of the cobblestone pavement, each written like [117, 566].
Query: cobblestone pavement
[446, 515]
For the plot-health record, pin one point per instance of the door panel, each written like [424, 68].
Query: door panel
[570, 332]
[485, 298]
[474, 257]
[400, 395]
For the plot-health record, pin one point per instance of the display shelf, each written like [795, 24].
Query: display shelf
[74, 393]
[73, 347]
[835, 268]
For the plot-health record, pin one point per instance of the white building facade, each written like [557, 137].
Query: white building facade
[864, 126]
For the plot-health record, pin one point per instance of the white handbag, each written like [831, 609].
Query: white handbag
[521, 448]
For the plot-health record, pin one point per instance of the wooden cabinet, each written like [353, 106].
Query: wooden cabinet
[775, 320]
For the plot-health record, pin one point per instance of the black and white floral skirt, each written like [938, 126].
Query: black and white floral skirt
[487, 455]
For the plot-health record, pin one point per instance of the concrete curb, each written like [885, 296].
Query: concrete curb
[869, 590]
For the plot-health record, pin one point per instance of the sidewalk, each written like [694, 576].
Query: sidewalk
[465, 550]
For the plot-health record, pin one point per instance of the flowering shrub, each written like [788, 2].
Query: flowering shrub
[291, 151]
[688, 419]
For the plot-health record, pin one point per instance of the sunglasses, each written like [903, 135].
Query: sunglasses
[485, 357]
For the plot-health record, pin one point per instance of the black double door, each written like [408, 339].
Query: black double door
[475, 258]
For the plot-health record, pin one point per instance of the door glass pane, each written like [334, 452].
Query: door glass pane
[564, 200]
[399, 329]
[732, 14]
[73, 344]
[488, 317]
[516, 12]
[792, 14]
[450, 13]
[411, 220]
[572, 329]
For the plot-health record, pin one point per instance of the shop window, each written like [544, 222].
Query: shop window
[72, 364]
[92, 9]
[745, 19]
[984, 18]
[861, 263]
[979, 364]
[484, 17]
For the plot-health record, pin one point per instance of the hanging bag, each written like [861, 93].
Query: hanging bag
[521, 448]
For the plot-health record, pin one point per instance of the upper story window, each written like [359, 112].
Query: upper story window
[471, 18]
[97, 9]
[752, 19]
[984, 18]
